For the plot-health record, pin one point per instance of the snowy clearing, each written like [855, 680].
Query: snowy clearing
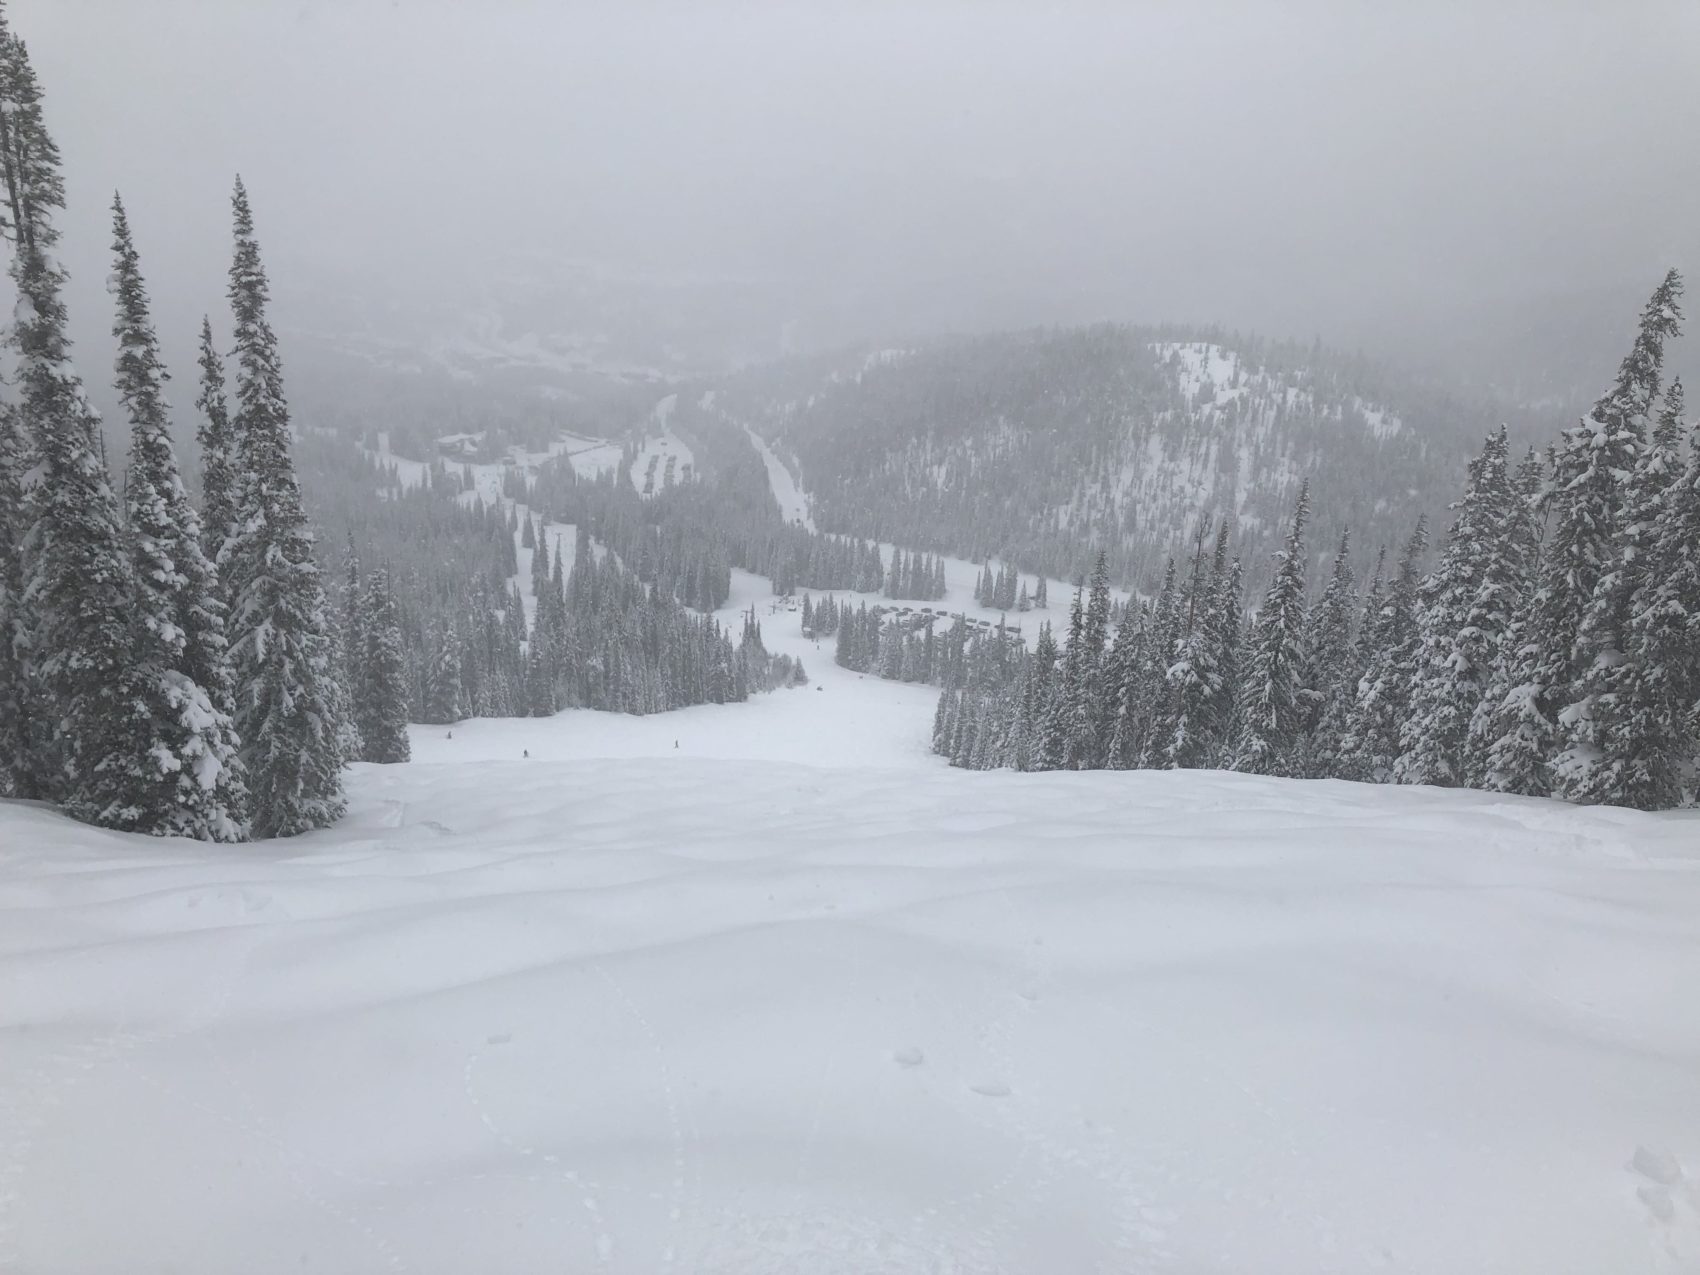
[487, 477]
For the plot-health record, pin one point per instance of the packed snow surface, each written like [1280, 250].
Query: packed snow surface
[766, 988]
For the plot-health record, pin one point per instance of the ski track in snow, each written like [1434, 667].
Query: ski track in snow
[767, 988]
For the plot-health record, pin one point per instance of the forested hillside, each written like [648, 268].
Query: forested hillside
[1045, 446]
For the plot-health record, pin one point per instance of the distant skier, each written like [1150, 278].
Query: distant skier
[525, 752]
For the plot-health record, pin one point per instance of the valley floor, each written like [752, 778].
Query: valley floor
[793, 996]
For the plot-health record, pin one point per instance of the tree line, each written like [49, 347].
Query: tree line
[1554, 648]
[999, 590]
[163, 669]
[176, 669]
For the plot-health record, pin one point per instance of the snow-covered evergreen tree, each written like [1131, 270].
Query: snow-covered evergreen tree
[1645, 698]
[78, 679]
[1467, 608]
[442, 703]
[1511, 736]
[1331, 663]
[1230, 633]
[351, 645]
[217, 437]
[1122, 666]
[380, 701]
[1089, 696]
[1545, 730]
[1186, 731]
[1148, 703]
[1587, 584]
[347, 649]
[1331, 754]
[1057, 730]
[187, 781]
[282, 653]
[1271, 710]
[1389, 638]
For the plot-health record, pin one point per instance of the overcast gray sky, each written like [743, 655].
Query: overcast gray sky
[1288, 167]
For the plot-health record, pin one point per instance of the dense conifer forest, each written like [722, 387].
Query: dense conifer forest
[1549, 650]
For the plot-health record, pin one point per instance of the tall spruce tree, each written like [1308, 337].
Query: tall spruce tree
[1122, 665]
[1088, 717]
[1599, 716]
[1593, 544]
[284, 659]
[1149, 702]
[1511, 733]
[1330, 662]
[187, 781]
[353, 641]
[77, 678]
[1467, 609]
[1057, 732]
[1034, 711]
[1331, 756]
[1548, 741]
[1645, 697]
[1229, 624]
[217, 437]
[380, 701]
[1390, 640]
[1271, 710]
[441, 702]
[1186, 728]
[351, 650]
[1503, 604]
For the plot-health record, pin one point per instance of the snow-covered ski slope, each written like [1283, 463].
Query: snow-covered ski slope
[788, 493]
[766, 988]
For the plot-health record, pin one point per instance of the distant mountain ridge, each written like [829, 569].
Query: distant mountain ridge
[1044, 446]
